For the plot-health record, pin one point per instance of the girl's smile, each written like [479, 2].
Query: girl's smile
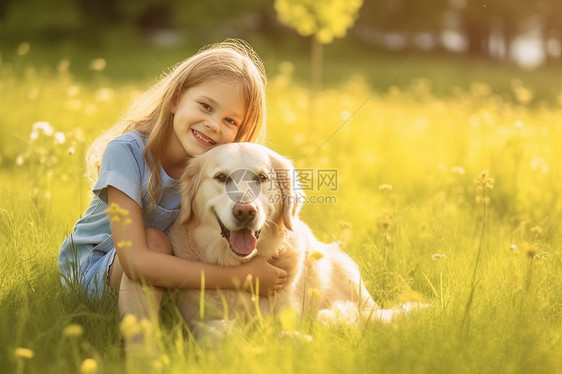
[202, 138]
[205, 116]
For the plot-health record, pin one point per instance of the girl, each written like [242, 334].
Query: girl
[217, 96]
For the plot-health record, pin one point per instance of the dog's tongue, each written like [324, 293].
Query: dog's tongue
[242, 241]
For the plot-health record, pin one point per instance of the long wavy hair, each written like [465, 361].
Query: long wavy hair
[233, 59]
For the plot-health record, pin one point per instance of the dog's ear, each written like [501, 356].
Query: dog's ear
[189, 184]
[288, 186]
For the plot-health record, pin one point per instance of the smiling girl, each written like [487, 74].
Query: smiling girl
[215, 97]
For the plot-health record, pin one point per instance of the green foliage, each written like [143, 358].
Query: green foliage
[406, 208]
[404, 15]
[45, 15]
[325, 20]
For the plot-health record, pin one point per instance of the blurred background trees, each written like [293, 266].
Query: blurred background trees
[483, 28]
[322, 21]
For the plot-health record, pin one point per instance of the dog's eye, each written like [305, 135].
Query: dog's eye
[221, 177]
[262, 177]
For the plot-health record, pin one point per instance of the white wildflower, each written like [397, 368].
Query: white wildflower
[97, 64]
[104, 94]
[458, 170]
[385, 187]
[438, 257]
[43, 126]
[72, 91]
[60, 138]
[23, 48]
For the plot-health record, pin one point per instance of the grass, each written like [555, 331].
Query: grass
[404, 206]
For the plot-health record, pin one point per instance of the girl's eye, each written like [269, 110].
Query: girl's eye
[205, 107]
[221, 177]
[232, 122]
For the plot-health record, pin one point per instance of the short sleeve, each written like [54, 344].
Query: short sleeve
[122, 167]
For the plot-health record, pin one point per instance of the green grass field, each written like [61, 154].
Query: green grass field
[405, 206]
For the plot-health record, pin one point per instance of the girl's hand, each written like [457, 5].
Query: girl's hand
[271, 278]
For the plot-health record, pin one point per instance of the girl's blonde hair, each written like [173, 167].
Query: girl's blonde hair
[151, 115]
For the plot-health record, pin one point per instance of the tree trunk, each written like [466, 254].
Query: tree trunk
[316, 63]
[509, 32]
[546, 37]
[478, 36]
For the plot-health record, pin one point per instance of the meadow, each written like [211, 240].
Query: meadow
[450, 198]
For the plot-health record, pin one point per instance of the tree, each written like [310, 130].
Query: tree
[404, 15]
[550, 12]
[322, 20]
[480, 18]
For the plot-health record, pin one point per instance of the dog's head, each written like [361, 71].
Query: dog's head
[240, 190]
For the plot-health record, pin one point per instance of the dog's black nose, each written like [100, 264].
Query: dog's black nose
[244, 212]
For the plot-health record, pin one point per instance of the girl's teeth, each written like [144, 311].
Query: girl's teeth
[199, 137]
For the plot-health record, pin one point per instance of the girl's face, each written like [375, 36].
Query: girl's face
[205, 116]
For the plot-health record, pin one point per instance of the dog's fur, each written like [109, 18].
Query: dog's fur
[322, 282]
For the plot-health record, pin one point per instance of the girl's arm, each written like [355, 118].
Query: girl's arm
[158, 269]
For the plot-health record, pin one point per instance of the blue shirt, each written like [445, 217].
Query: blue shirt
[87, 253]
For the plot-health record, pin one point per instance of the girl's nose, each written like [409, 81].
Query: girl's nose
[211, 123]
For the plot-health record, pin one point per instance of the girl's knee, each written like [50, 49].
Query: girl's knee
[157, 241]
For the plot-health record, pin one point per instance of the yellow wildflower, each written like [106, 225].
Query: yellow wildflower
[344, 225]
[129, 326]
[523, 94]
[146, 326]
[315, 255]
[385, 220]
[537, 230]
[157, 365]
[63, 65]
[124, 244]
[314, 293]
[117, 214]
[288, 319]
[530, 249]
[410, 296]
[165, 359]
[24, 353]
[286, 67]
[425, 237]
[115, 210]
[89, 366]
[73, 330]
[483, 184]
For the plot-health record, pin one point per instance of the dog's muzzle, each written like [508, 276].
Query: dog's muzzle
[242, 242]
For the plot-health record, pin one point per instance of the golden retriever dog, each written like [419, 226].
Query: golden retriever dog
[241, 200]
